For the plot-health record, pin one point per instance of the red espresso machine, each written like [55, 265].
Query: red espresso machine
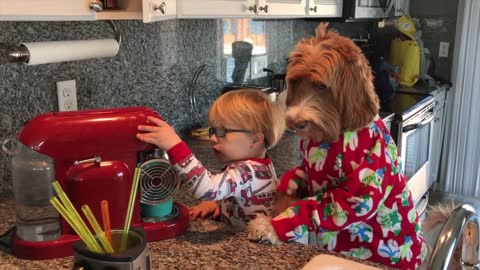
[93, 155]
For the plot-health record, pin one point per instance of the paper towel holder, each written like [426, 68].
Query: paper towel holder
[20, 54]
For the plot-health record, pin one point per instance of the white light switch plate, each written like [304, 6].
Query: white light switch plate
[67, 95]
[257, 64]
[443, 50]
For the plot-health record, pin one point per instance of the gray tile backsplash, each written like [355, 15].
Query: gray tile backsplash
[154, 67]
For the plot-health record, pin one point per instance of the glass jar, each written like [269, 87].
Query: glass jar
[33, 173]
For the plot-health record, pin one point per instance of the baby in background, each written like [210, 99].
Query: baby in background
[243, 125]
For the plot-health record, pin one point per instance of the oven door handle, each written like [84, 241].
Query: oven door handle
[418, 125]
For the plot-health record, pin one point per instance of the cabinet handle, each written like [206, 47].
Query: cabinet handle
[314, 9]
[253, 8]
[264, 8]
[96, 5]
[162, 7]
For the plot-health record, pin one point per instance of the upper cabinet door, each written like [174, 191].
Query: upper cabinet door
[325, 8]
[158, 10]
[281, 8]
[46, 10]
[216, 8]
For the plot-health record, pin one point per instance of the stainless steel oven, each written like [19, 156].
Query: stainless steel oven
[414, 132]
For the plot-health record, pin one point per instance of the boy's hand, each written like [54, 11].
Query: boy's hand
[161, 134]
[204, 209]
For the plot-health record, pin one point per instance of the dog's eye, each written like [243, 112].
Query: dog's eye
[321, 86]
[301, 125]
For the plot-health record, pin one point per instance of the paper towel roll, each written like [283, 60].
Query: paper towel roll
[71, 50]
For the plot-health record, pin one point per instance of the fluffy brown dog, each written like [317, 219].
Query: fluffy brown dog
[350, 161]
[330, 90]
[324, 97]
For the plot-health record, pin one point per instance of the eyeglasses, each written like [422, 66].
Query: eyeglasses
[222, 132]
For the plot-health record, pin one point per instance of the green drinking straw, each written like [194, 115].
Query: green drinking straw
[128, 218]
[96, 228]
[90, 242]
[71, 209]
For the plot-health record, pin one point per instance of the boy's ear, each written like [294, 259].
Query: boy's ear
[258, 138]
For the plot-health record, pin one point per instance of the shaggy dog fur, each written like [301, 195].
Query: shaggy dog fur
[330, 90]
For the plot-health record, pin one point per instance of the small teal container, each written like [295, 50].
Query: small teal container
[156, 210]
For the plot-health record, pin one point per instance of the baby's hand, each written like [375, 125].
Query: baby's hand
[161, 134]
[204, 209]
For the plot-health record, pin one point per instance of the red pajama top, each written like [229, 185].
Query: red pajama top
[357, 202]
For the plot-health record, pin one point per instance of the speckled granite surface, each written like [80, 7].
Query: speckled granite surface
[207, 244]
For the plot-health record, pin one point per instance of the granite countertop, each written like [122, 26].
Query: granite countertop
[207, 244]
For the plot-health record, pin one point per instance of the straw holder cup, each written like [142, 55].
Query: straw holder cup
[135, 257]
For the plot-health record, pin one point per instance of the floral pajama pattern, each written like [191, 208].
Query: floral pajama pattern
[243, 188]
[357, 202]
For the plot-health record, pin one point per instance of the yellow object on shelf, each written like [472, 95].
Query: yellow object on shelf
[406, 55]
[405, 25]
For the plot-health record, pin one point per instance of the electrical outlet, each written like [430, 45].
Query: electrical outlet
[67, 95]
[443, 50]
[257, 64]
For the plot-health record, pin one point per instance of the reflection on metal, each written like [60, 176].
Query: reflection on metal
[463, 222]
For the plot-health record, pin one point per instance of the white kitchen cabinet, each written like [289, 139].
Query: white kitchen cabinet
[325, 8]
[80, 10]
[46, 10]
[216, 8]
[241, 8]
[281, 8]
[148, 10]
[157, 10]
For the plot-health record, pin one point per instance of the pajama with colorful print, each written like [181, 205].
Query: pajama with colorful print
[242, 188]
[358, 203]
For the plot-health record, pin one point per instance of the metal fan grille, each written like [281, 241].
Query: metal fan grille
[158, 181]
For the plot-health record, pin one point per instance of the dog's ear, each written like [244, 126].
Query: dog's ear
[356, 97]
[350, 79]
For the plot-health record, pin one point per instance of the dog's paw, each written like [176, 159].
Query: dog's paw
[281, 201]
[296, 183]
[261, 230]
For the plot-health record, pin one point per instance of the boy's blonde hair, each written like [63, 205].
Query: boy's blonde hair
[251, 110]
